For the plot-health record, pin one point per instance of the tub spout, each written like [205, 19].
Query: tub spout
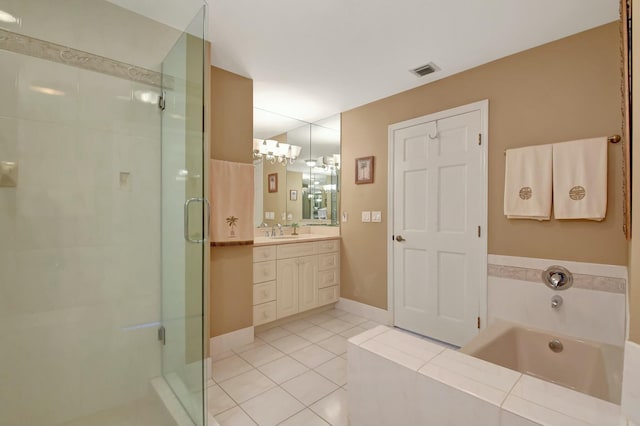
[556, 302]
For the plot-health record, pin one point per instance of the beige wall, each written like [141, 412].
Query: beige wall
[231, 139]
[634, 247]
[294, 208]
[564, 90]
[273, 201]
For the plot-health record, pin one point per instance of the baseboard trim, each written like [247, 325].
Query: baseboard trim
[228, 341]
[370, 312]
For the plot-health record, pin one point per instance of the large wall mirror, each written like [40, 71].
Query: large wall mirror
[297, 177]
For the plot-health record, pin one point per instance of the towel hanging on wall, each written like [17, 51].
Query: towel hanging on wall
[231, 189]
[580, 179]
[527, 183]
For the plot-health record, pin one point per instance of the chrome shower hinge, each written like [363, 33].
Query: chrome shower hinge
[162, 335]
[162, 100]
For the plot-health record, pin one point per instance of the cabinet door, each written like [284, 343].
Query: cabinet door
[308, 282]
[287, 287]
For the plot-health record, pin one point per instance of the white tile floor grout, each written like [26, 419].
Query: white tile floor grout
[292, 374]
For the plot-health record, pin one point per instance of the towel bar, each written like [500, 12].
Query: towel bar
[610, 139]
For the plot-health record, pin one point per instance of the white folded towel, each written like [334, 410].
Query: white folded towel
[527, 183]
[580, 179]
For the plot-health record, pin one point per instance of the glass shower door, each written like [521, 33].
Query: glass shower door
[183, 220]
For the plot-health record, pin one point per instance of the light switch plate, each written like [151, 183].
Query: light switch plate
[366, 216]
[376, 216]
[345, 217]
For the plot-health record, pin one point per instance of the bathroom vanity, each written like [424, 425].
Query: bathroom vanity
[293, 274]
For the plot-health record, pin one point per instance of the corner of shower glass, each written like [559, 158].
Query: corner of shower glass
[184, 249]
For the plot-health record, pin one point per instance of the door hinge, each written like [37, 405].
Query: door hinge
[479, 138]
[478, 323]
[479, 232]
[162, 100]
[162, 335]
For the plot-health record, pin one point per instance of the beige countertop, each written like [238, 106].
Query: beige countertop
[288, 239]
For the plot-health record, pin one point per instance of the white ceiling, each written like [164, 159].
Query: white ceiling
[311, 59]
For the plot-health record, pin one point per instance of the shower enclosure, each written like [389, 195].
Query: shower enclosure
[102, 212]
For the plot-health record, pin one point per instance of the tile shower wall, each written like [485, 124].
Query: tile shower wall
[594, 308]
[79, 241]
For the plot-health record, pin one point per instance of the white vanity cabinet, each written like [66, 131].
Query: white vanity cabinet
[296, 285]
[306, 276]
[264, 284]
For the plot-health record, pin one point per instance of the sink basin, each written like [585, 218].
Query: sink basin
[284, 237]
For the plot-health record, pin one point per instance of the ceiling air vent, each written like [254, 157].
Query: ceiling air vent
[425, 69]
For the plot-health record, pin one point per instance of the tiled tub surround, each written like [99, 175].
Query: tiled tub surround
[631, 383]
[396, 378]
[588, 367]
[594, 308]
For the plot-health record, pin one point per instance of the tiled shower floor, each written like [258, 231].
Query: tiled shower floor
[293, 374]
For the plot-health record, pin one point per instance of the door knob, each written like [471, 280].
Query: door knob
[399, 238]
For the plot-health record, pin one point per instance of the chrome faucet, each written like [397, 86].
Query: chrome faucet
[266, 229]
[273, 230]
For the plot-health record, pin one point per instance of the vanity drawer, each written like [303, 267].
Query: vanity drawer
[264, 292]
[327, 246]
[264, 271]
[328, 261]
[328, 295]
[328, 278]
[263, 313]
[261, 254]
[294, 250]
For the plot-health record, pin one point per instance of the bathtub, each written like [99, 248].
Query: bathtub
[588, 367]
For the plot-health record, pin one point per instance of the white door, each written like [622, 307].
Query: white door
[308, 283]
[287, 287]
[439, 225]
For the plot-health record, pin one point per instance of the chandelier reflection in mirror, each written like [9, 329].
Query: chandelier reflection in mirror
[275, 152]
[328, 163]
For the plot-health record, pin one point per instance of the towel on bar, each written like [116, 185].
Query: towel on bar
[527, 183]
[231, 188]
[580, 179]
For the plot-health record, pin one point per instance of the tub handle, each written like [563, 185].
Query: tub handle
[557, 277]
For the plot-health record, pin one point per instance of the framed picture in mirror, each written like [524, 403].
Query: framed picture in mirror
[364, 170]
[273, 182]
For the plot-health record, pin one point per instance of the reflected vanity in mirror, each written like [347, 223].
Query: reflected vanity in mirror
[304, 159]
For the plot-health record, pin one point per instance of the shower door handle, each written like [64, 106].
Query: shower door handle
[207, 216]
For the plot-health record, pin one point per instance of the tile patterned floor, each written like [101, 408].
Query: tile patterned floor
[294, 374]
